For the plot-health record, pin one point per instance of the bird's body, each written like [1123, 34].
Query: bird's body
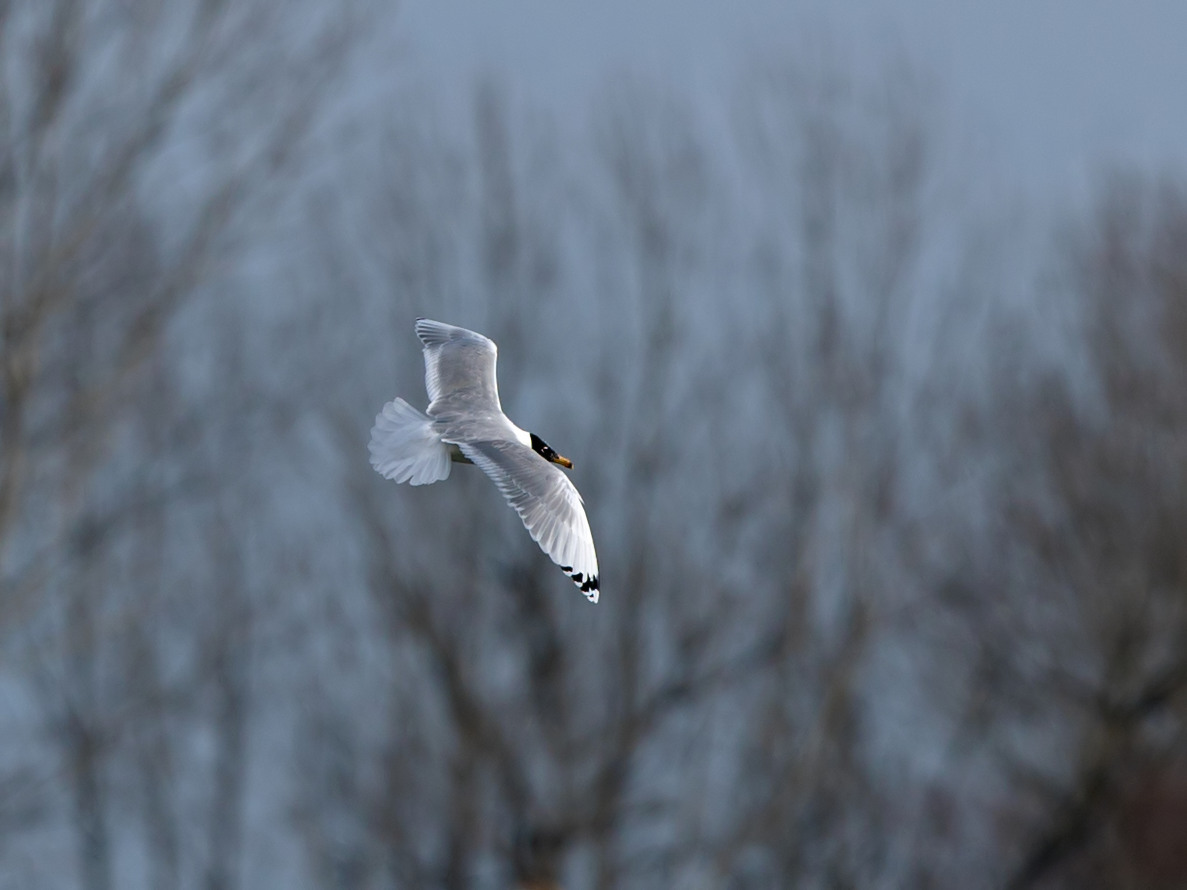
[465, 423]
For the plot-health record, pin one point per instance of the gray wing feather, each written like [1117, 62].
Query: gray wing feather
[547, 502]
[459, 369]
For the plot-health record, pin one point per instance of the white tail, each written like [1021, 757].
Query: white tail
[405, 448]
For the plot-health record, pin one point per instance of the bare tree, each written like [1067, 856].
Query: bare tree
[136, 143]
[1101, 516]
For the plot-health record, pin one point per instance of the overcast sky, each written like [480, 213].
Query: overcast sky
[1053, 89]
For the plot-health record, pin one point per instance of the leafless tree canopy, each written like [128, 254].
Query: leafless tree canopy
[892, 536]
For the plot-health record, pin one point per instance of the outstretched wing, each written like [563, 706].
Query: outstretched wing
[548, 504]
[459, 369]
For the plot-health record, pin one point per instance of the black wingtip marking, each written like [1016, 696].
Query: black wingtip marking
[587, 584]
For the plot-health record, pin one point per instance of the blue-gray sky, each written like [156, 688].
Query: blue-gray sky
[1051, 89]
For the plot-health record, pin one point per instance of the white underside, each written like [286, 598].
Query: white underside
[524, 437]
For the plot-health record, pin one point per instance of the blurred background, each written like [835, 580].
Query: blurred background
[864, 324]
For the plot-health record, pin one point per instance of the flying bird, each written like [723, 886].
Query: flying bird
[465, 423]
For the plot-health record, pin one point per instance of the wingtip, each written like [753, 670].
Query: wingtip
[427, 330]
[588, 584]
[434, 333]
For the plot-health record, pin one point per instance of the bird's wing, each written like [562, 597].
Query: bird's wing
[548, 504]
[459, 369]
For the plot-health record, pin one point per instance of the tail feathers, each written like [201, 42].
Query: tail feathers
[404, 447]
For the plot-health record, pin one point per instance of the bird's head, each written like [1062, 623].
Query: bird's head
[542, 448]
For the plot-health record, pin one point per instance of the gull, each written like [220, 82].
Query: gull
[465, 423]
